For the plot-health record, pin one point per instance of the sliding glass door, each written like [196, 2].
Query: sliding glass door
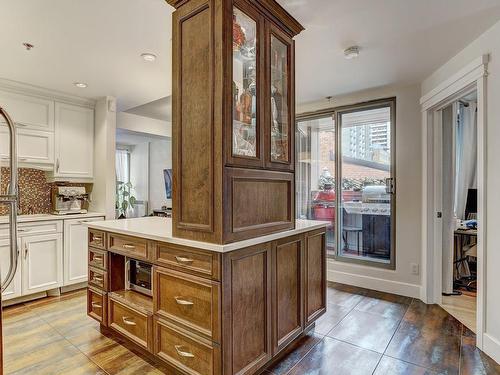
[360, 208]
[366, 169]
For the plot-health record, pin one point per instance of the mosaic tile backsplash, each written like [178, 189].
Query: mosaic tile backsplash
[34, 191]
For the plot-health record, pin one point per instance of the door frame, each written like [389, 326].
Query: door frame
[471, 77]
[374, 104]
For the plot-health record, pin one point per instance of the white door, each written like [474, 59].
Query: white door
[74, 138]
[14, 289]
[42, 264]
[75, 250]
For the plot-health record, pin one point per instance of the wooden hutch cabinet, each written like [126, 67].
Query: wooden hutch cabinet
[233, 119]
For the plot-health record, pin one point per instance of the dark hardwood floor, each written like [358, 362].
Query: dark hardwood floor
[363, 332]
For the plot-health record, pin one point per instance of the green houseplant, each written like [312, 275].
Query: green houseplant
[124, 198]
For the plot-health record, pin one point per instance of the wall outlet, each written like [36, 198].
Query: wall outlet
[415, 269]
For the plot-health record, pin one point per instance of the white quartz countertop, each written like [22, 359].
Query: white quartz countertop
[4, 219]
[160, 229]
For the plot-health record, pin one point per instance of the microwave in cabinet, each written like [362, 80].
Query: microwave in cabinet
[138, 276]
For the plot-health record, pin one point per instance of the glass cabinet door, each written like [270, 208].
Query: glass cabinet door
[281, 137]
[245, 86]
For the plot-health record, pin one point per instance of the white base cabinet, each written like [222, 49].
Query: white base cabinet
[52, 254]
[42, 262]
[76, 250]
[14, 289]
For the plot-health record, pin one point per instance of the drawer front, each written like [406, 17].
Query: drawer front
[98, 278]
[97, 239]
[132, 246]
[97, 305]
[133, 324]
[28, 229]
[188, 260]
[189, 301]
[187, 352]
[98, 259]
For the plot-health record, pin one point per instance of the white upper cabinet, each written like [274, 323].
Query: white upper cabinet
[33, 146]
[28, 112]
[74, 141]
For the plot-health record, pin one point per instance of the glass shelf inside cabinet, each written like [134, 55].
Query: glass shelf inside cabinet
[279, 101]
[244, 85]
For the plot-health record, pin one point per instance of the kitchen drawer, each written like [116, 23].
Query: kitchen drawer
[190, 260]
[185, 351]
[131, 246]
[134, 324]
[98, 278]
[97, 305]
[98, 258]
[31, 228]
[97, 239]
[189, 301]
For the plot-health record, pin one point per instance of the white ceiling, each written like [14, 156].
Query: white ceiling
[129, 138]
[100, 41]
[402, 41]
[160, 109]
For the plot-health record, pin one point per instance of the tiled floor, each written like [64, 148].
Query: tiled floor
[363, 332]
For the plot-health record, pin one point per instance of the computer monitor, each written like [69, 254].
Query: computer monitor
[471, 203]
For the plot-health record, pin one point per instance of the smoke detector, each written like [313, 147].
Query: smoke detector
[351, 52]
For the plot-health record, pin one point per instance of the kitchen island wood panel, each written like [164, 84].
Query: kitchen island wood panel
[262, 299]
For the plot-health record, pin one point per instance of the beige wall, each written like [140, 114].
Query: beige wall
[488, 43]
[408, 198]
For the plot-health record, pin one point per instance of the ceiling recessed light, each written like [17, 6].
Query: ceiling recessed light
[351, 52]
[81, 85]
[148, 57]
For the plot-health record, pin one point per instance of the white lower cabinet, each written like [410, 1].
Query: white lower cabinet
[76, 250]
[42, 262]
[14, 289]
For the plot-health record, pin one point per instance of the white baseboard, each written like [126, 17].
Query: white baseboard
[382, 285]
[491, 346]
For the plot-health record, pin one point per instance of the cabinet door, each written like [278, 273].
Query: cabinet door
[28, 111]
[287, 302]
[247, 309]
[34, 147]
[14, 289]
[42, 264]
[74, 141]
[76, 250]
[280, 106]
[315, 276]
[244, 138]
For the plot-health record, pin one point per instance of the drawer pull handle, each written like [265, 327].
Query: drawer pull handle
[181, 301]
[98, 278]
[96, 305]
[183, 259]
[183, 353]
[23, 230]
[128, 321]
[97, 258]
[96, 239]
[128, 246]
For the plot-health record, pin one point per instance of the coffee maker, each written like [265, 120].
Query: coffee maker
[67, 200]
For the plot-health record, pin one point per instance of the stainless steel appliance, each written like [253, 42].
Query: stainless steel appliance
[138, 276]
[11, 198]
[67, 200]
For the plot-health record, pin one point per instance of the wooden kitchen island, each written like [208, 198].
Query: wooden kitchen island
[214, 309]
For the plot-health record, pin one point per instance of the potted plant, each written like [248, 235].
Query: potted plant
[124, 198]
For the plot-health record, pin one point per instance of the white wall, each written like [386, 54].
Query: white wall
[160, 158]
[103, 193]
[488, 43]
[143, 124]
[408, 197]
[139, 170]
